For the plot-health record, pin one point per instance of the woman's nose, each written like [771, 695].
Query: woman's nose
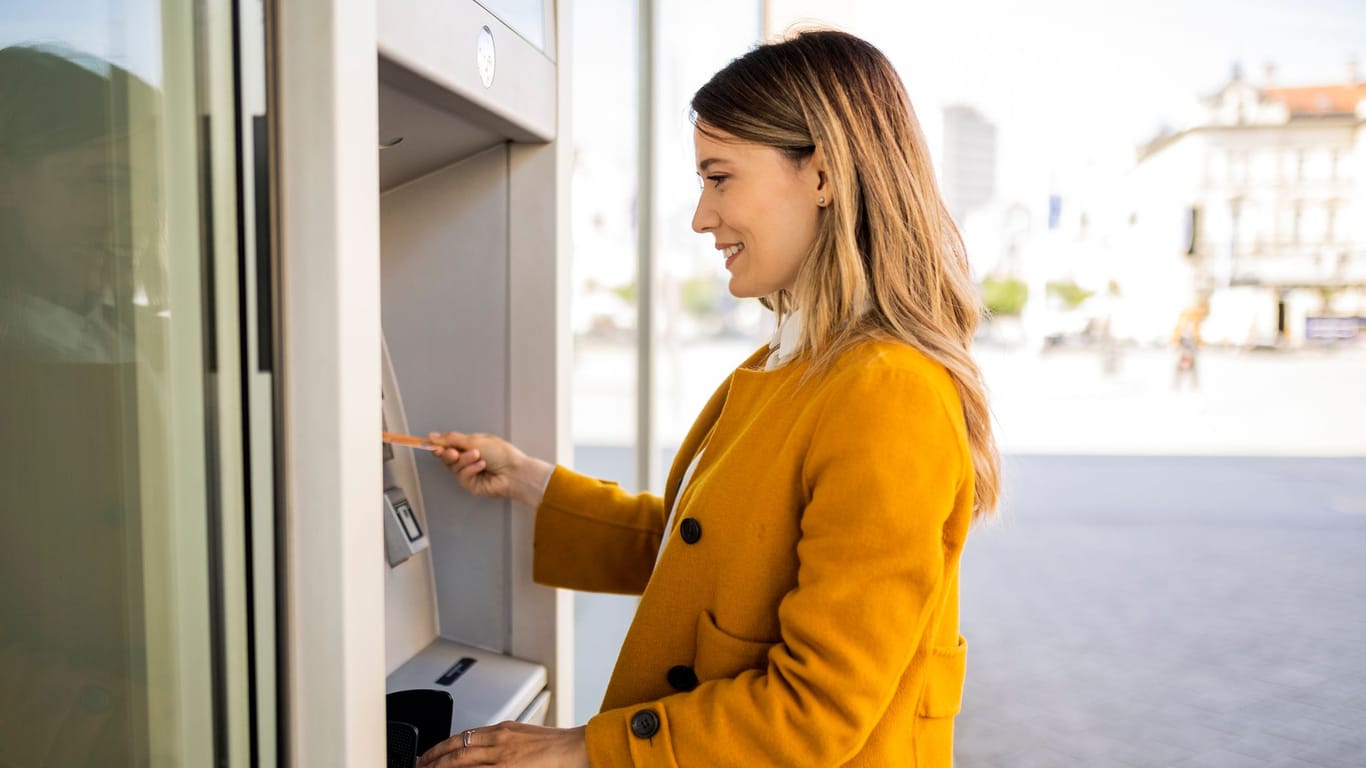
[704, 219]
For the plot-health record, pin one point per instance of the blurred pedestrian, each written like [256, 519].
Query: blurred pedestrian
[1187, 340]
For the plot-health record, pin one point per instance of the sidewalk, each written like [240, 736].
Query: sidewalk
[1294, 403]
[1147, 612]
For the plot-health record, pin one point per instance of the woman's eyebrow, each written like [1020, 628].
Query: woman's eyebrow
[702, 166]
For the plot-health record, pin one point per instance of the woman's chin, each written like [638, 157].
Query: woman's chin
[741, 290]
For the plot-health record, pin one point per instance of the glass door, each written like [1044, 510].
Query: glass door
[128, 555]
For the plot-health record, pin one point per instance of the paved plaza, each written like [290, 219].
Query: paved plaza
[1138, 611]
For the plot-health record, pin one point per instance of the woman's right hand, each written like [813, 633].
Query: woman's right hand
[487, 465]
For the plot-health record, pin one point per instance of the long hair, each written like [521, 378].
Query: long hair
[886, 241]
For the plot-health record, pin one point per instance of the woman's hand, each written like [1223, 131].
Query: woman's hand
[511, 744]
[491, 466]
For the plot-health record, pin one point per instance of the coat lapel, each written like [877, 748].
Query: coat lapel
[710, 413]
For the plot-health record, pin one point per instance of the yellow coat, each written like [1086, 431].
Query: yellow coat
[805, 609]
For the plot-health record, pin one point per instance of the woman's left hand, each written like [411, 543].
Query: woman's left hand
[513, 744]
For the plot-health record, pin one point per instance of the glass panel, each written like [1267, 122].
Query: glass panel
[105, 644]
[526, 17]
[702, 332]
[605, 179]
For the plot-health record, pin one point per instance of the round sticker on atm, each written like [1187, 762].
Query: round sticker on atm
[484, 53]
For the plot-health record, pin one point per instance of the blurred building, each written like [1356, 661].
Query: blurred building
[969, 163]
[1260, 208]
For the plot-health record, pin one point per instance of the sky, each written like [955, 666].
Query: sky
[1073, 86]
[1072, 83]
[1067, 82]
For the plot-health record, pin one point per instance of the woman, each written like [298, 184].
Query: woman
[799, 580]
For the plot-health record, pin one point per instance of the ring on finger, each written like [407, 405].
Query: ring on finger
[466, 736]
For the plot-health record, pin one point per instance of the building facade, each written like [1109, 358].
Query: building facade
[1262, 203]
[969, 163]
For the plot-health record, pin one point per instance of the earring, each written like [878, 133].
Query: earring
[821, 201]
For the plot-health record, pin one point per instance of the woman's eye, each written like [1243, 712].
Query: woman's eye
[717, 179]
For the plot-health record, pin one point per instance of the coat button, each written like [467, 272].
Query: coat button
[690, 529]
[682, 678]
[645, 723]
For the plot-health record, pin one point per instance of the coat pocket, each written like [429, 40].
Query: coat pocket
[945, 671]
[722, 655]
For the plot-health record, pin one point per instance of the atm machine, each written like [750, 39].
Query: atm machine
[452, 270]
[459, 88]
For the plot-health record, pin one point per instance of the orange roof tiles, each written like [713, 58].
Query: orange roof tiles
[1319, 99]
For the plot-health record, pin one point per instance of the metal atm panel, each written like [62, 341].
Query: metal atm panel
[444, 306]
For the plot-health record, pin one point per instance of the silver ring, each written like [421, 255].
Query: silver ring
[467, 736]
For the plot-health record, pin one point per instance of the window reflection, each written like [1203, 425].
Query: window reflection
[84, 443]
[605, 245]
[702, 331]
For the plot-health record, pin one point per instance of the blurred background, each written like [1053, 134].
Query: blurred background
[1164, 206]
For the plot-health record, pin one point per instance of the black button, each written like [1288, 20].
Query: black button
[690, 529]
[645, 723]
[682, 678]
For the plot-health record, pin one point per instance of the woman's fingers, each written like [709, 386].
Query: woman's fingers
[466, 459]
[472, 747]
[457, 755]
[511, 744]
[444, 448]
[453, 449]
[471, 471]
[456, 440]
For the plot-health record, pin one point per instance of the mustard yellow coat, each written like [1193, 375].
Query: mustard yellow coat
[805, 609]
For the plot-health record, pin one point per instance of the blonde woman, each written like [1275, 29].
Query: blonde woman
[799, 579]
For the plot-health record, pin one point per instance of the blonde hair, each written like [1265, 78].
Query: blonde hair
[886, 237]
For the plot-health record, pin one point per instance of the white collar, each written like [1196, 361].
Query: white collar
[786, 341]
[790, 336]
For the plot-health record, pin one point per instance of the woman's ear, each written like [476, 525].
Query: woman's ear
[818, 177]
[817, 168]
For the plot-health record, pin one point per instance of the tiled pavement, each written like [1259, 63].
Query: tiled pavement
[1168, 612]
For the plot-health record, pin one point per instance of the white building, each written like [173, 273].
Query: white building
[969, 163]
[1259, 208]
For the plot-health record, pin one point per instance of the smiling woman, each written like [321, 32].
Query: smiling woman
[757, 204]
[799, 577]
